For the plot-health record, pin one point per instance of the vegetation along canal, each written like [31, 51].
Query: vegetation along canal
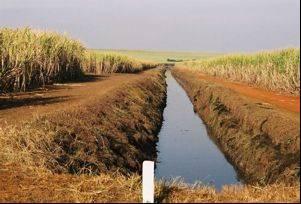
[184, 149]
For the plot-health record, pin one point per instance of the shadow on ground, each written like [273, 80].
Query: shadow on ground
[7, 103]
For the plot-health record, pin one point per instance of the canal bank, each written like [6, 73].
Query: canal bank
[261, 141]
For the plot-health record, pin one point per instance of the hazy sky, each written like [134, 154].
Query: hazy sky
[203, 25]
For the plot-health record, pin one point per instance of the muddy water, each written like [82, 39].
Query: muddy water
[184, 148]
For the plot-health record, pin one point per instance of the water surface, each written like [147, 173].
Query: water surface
[185, 149]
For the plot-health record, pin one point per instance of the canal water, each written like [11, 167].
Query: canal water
[184, 149]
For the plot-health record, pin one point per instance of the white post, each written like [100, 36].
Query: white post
[148, 181]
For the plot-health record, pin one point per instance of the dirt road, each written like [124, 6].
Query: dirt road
[285, 102]
[23, 106]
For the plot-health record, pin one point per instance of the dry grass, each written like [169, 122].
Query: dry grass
[31, 59]
[29, 186]
[24, 185]
[177, 193]
[275, 70]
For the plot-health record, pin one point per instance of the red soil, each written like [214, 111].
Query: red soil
[286, 102]
[18, 107]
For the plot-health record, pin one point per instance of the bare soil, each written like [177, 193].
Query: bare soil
[285, 102]
[17, 107]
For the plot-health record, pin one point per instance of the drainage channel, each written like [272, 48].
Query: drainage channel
[184, 149]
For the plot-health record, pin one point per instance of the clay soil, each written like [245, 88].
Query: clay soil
[282, 101]
[18, 107]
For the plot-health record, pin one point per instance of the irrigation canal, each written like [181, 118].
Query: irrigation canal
[185, 149]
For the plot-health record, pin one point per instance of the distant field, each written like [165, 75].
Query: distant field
[161, 56]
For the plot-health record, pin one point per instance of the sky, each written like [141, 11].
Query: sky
[175, 25]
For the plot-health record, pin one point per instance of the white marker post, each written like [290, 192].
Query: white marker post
[148, 186]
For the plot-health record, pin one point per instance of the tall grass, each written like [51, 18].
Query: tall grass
[31, 59]
[274, 70]
[110, 62]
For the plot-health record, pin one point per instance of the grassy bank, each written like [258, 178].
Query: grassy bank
[263, 143]
[274, 70]
[115, 132]
[31, 59]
